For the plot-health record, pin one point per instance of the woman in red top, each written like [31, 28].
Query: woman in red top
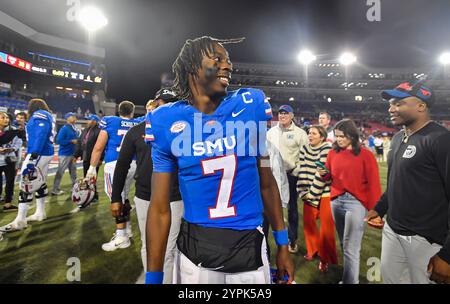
[355, 188]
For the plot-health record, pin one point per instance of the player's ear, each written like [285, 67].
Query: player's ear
[422, 107]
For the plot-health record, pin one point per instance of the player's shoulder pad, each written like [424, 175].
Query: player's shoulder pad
[41, 114]
[246, 91]
[139, 119]
[249, 95]
[256, 101]
[166, 113]
[107, 120]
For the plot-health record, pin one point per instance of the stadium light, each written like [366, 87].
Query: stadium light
[306, 57]
[445, 58]
[347, 58]
[92, 19]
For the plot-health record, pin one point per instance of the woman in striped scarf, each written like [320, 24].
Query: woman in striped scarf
[316, 198]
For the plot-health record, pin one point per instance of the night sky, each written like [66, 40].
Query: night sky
[143, 38]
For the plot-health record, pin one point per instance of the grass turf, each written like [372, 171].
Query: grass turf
[40, 253]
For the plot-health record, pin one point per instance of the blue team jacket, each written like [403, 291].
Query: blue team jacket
[40, 133]
[64, 138]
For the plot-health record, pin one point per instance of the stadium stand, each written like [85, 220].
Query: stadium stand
[329, 87]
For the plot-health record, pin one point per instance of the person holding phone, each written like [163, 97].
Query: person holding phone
[315, 194]
[8, 159]
[355, 189]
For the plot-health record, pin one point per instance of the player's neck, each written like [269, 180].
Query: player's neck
[125, 117]
[205, 104]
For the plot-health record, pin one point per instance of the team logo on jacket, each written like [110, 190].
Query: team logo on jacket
[409, 152]
[178, 126]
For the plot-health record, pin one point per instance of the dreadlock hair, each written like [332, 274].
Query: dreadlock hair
[189, 61]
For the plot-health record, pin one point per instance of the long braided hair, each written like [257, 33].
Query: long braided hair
[189, 61]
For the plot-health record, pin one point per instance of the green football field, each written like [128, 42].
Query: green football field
[45, 252]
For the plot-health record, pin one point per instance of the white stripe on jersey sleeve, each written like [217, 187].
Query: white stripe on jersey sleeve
[41, 116]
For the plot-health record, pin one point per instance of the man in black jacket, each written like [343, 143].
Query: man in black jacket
[86, 145]
[416, 237]
[134, 145]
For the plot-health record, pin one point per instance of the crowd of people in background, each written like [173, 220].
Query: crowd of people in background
[309, 158]
[332, 170]
[10, 157]
[71, 147]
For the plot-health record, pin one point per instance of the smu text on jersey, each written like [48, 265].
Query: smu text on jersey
[116, 127]
[219, 184]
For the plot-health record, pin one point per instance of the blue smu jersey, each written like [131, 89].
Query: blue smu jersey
[216, 156]
[41, 130]
[116, 127]
[140, 119]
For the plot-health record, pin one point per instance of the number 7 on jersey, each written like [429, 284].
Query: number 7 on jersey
[226, 164]
[121, 133]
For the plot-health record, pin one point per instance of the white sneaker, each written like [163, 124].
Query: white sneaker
[14, 226]
[36, 218]
[117, 242]
[59, 192]
[76, 210]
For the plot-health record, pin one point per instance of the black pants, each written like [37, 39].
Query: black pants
[86, 165]
[10, 174]
[292, 209]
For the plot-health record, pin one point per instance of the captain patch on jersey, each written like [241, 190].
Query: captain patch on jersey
[215, 155]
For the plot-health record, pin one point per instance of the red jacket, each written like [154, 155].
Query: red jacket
[357, 175]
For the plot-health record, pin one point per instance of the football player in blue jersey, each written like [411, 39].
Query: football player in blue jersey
[113, 130]
[224, 176]
[40, 137]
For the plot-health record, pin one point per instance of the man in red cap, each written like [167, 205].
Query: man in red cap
[416, 237]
